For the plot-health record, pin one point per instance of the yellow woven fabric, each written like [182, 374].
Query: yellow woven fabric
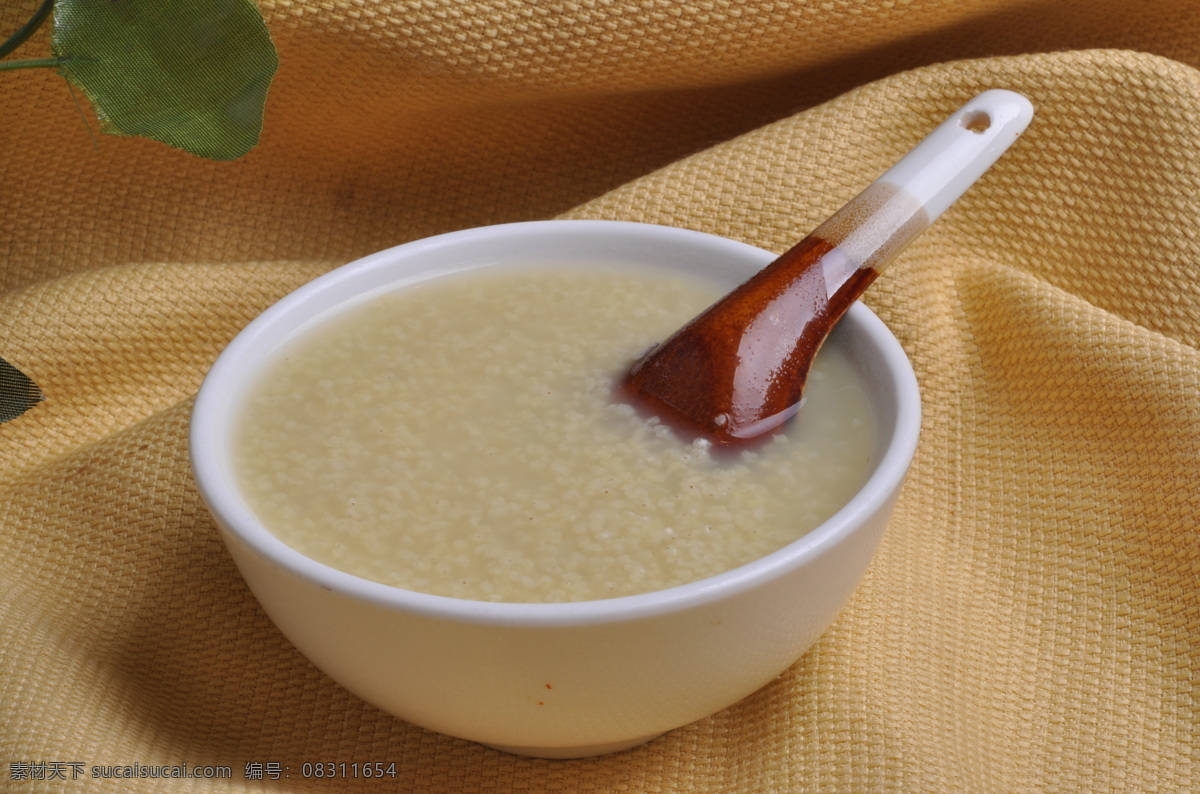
[1032, 620]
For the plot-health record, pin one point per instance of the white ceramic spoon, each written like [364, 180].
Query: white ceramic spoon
[737, 372]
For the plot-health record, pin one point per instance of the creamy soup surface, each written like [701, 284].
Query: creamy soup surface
[459, 437]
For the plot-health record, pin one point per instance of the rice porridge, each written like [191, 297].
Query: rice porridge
[459, 437]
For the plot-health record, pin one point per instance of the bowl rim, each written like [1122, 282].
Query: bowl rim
[210, 415]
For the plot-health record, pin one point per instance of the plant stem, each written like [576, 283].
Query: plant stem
[26, 30]
[32, 63]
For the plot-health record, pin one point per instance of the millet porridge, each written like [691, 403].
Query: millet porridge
[459, 437]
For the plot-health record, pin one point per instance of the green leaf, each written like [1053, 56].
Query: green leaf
[193, 74]
[17, 392]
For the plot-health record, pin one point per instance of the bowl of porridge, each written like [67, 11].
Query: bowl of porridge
[421, 468]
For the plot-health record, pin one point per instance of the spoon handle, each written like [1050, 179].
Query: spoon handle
[950, 159]
[876, 224]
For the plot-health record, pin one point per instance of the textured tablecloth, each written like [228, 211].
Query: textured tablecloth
[1032, 619]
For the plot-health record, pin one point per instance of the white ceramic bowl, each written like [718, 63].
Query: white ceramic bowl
[554, 680]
